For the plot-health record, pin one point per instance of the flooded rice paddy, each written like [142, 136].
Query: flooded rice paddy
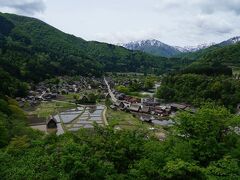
[74, 119]
[81, 117]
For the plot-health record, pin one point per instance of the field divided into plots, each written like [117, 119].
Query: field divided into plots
[81, 117]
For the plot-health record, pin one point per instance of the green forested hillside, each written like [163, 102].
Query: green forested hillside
[198, 89]
[227, 55]
[33, 50]
[208, 78]
[198, 54]
[220, 59]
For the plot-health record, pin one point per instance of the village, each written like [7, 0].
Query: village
[81, 94]
[149, 109]
[58, 88]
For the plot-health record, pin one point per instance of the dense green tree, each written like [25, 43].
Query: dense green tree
[149, 83]
[197, 89]
[11, 86]
[208, 132]
[226, 168]
[4, 136]
[13, 122]
[122, 89]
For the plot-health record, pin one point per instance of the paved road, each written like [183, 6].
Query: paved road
[104, 116]
[114, 99]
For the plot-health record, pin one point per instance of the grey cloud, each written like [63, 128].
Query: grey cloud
[211, 24]
[219, 6]
[213, 29]
[200, 20]
[176, 22]
[205, 6]
[29, 7]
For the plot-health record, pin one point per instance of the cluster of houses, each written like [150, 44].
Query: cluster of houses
[150, 106]
[46, 91]
[35, 97]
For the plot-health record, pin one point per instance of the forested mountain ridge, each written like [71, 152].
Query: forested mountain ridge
[34, 50]
[216, 60]
[212, 77]
[227, 53]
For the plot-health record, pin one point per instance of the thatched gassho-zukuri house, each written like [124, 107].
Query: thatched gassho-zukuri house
[51, 123]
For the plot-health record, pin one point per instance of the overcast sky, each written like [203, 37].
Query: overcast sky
[175, 22]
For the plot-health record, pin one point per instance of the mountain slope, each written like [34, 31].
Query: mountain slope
[34, 50]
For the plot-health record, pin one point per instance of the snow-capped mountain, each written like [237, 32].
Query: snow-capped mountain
[159, 48]
[154, 47]
[194, 48]
[231, 41]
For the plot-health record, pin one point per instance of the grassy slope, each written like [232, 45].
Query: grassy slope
[45, 109]
[123, 120]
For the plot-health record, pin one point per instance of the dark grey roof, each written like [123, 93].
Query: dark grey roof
[135, 107]
[178, 106]
[145, 109]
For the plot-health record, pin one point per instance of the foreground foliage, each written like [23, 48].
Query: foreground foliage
[13, 122]
[200, 146]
